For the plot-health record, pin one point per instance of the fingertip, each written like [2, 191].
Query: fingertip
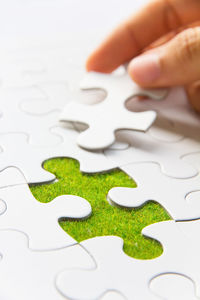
[145, 69]
[95, 63]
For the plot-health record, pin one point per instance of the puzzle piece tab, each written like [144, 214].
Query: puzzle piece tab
[105, 219]
[13, 119]
[27, 274]
[171, 193]
[38, 220]
[144, 148]
[110, 115]
[19, 153]
[116, 271]
[173, 287]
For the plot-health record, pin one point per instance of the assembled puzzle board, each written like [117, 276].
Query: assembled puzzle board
[99, 191]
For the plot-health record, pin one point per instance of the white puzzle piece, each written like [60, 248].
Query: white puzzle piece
[15, 120]
[58, 72]
[145, 148]
[174, 108]
[117, 271]
[27, 274]
[11, 176]
[164, 131]
[173, 287]
[19, 153]
[110, 115]
[13, 71]
[112, 295]
[40, 220]
[193, 159]
[171, 193]
[55, 97]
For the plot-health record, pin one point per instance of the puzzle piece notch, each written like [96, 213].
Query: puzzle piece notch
[193, 159]
[176, 109]
[46, 233]
[144, 148]
[102, 123]
[173, 287]
[94, 188]
[31, 274]
[19, 153]
[112, 295]
[131, 277]
[55, 96]
[171, 193]
[13, 70]
[11, 176]
[15, 120]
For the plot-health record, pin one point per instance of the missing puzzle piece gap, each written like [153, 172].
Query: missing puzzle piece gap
[170, 193]
[46, 233]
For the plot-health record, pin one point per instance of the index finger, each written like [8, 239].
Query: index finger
[140, 30]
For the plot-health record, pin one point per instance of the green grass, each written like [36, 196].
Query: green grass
[105, 219]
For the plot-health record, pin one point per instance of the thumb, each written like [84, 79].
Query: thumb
[175, 63]
[193, 92]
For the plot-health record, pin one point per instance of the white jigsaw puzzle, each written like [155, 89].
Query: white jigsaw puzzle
[13, 119]
[174, 108]
[27, 274]
[145, 148]
[13, 71]
[55, 97]
[171, 193]
[110, 115]
[115, 270]
[40, 220]
[173, 287]
[18, 152]
[11, 176]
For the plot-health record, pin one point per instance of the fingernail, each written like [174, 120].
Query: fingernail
[145, 69]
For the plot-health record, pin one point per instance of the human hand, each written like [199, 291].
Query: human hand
[163, 41]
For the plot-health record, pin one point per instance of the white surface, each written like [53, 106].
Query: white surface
[144, 148]
[56, 95]
[54, 98]
[115, 270]
[18, 152]
[112, 296]
[173, 287]
[193, 159]
[176, 109]
[110, 115]
[40, 220]
[11, 176]
[27, 274]
[15, 120]
[171, 193]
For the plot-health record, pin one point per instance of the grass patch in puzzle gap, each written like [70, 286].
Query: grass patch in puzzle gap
[105, 218]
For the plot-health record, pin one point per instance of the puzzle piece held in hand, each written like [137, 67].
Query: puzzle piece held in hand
[27, 274]
[110, 115]
[105, 219]
[40, 220]
[171, 193]
[116, 271]
[19, 153]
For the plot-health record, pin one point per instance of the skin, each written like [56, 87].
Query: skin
[162, 53]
